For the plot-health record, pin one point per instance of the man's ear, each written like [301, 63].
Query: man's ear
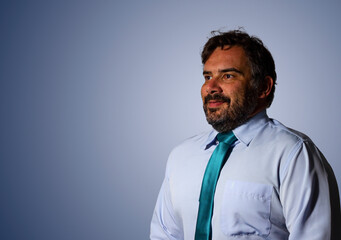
[267, 87]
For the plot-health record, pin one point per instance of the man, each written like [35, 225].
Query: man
[273, 183]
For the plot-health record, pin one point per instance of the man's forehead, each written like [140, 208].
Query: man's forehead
[228, 57]
[227, 51]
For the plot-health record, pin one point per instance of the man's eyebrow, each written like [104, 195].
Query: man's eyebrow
[224, 71]
[231, 70]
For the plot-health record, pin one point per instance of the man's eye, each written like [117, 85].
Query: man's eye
[227, 76]
[207, 78]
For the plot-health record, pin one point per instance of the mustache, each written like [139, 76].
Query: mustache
[218, 97]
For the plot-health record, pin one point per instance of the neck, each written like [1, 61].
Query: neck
[258, 109]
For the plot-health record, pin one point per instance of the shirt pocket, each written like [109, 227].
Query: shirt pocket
[246, 209]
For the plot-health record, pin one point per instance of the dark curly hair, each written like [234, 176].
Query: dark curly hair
[260, 59]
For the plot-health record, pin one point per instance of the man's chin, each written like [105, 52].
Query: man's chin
[213, 117]
[224, 123]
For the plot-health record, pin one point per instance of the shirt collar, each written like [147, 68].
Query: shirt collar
[244, 133]
[211, 140]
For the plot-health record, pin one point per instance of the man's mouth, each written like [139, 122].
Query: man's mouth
[215, 103]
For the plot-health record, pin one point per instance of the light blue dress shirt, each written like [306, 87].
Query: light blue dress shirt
[276, 184]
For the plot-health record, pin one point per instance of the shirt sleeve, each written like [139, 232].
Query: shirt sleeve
[309, 195]
[165, 224]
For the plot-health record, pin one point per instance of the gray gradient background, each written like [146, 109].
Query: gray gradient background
[95, 94]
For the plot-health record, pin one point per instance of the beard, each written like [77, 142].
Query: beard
[234, 114]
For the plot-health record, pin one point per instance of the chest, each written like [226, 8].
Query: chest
[246, 197]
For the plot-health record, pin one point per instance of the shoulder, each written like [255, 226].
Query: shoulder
[280, 143]
[189, 150]
[262, 130]
[295, 148]
[194, 143]
[282, 135]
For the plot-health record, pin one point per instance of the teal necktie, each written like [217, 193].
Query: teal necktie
[209, 182]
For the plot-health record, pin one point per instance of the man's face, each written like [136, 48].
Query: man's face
[228, 98]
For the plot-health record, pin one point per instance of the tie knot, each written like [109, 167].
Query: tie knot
[227, 138]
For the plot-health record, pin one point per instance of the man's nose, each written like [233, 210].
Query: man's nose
[213, 86]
